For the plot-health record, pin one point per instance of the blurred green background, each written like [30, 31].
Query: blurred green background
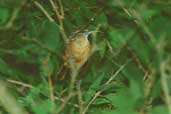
[134, 47]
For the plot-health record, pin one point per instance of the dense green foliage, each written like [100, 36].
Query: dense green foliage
[133, 50]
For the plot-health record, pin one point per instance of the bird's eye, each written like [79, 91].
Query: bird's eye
[90, 38]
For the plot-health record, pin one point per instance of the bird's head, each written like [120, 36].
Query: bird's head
[83, 34]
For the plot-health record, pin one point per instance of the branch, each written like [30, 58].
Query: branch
[34, 40]
[107, 82]
[165, 86]
[44, 11]
[61, 106]
[31, 87]
[60, 15]
[80, 100]
[14, 15]
[20, 83]
[51, 92]
[9, 102]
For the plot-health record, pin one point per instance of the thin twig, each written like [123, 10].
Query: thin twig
[6, 51]
[100, 91]
[56, 9]
[69, 103]
[61, 107]
[49, 73]
[60, 15]
[20, 83]
[80, 100]
[34, 40]
[8, 101]
[52, 97]
[138, 20]
[139, 63]
[44, 11]
[97, 94]
[165, 86]
[74, 72]
[61, 8]
[13, 17]
[116, 73]
[148, 84]
[31, 87]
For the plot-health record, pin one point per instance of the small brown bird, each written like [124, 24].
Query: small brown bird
[80, 50]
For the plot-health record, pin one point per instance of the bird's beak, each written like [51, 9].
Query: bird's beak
[91, 32]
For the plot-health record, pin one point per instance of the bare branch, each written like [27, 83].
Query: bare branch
[165, 86]
[20, 83]
[52, 97]
[31, 87]
[61, 106]
[80, 100]
[100, 91]
[44, 11]
[9, 102]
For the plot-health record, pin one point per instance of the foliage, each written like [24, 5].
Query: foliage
[132, 49]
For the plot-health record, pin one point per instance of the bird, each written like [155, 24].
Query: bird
[80, 48]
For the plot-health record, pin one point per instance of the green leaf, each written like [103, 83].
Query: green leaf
[94, 87]
[146, 13]
[49, 35]
[101, 111]
[43, 107]
[102, 19]
[118, 99]
[4, 68]
[107, 87]
[142, 49]
[136, 89]
[101, 101]
[159, 110]
[4, 14]
[119, 37]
